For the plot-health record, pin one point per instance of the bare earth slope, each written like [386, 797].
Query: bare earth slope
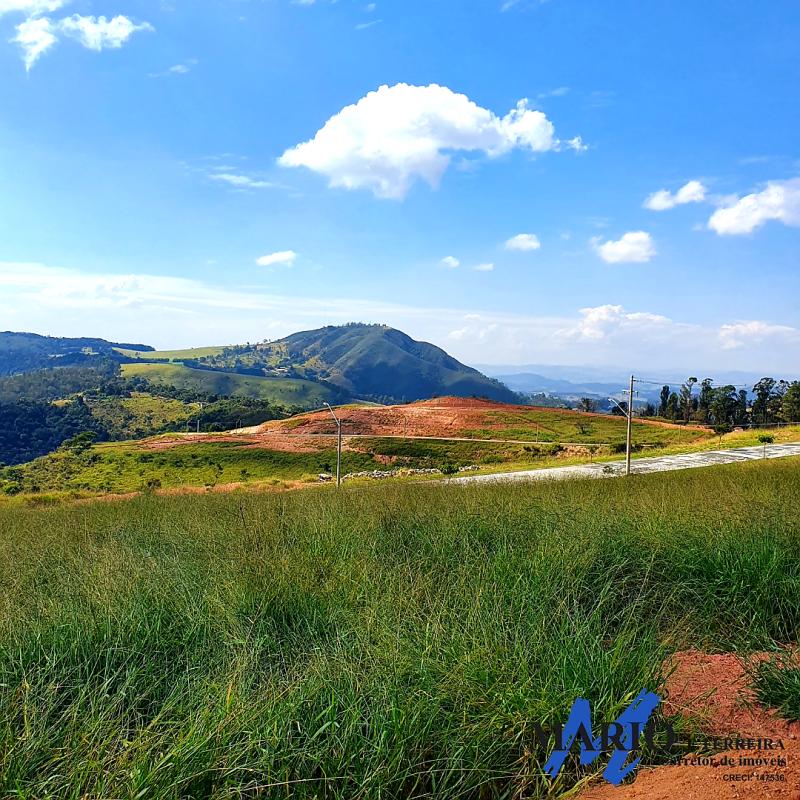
[479, 419]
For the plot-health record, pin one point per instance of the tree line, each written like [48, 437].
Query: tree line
[769, 402]
[41, 411]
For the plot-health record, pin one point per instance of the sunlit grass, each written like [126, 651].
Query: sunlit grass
[386, 641]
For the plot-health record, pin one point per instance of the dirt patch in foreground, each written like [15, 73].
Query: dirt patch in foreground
[714, 690]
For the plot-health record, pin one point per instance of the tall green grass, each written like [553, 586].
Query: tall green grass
[777, 685]
[396, 641]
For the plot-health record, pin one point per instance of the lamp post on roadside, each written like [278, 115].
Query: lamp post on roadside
[338, 446]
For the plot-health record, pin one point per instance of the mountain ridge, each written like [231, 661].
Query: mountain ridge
[374, 362]
[356, 361]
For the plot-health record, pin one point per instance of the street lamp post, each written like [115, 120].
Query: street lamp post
[338, 446]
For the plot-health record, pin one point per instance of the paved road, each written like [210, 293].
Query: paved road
[611, 469]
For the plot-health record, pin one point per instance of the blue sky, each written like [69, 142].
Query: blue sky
[190, 173]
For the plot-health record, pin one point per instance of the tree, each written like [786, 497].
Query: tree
[762, 392]
[724, 405]
[686, 399]
[587, 404]
[775, 401]
[741, 411]
[790, 403]
[620, 408]
[721, 429]
[765, 439]
[80, 442]
[704, 399]
[664, 401]
[673, 407]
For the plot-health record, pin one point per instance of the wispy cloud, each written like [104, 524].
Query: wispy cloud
[176, 69]
[37, 34]
[285, 258]
[121, 307]
[99, 33]
[30, 7]
[559, 91]
[241, 181]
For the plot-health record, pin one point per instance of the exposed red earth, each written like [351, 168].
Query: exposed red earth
[442, 416]
[714, 691]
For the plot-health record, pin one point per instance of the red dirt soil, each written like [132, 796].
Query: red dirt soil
[714, 690]
[442, 416]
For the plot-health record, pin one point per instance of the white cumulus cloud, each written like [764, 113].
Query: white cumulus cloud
[97, 33]
[284, 257]
[451, 262]
[524, 242]
[35, 36]
[633, 247]
[487, 267]
[601, 322]
[398, 134]
[662, 200]
[739, 334]
[780, 201]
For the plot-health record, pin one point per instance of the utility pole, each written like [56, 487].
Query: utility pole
[338, 447]
[629, 415]
[630, 429]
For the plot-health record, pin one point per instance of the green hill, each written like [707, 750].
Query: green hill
[25, 352]
[285, 391]
[366, 361]
[170, 355]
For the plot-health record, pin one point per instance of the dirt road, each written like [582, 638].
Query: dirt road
[639, 466]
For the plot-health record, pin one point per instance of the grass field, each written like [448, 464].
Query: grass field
[557, 425]
[172, 355]
[123, 467]
[393, 641]
[128, 417]
[281, 391]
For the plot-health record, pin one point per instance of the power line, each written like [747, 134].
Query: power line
[680, 383]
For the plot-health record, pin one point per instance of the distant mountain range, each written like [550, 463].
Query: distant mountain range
[573, 382]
